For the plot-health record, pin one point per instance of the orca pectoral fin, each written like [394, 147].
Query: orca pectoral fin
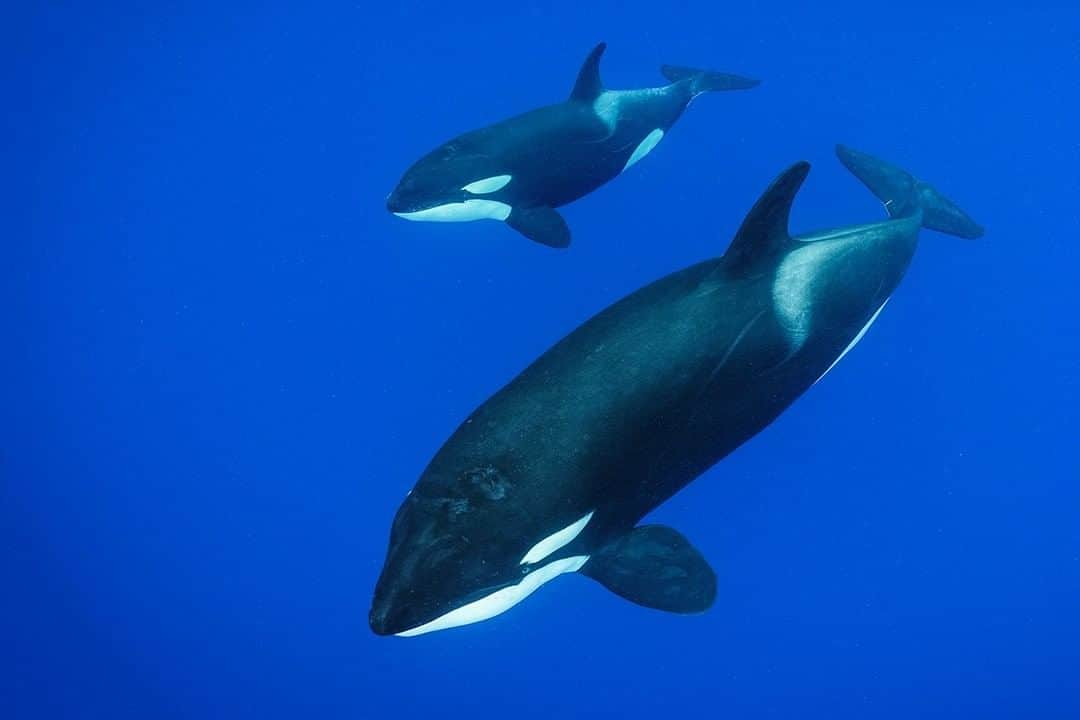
[655, 566]
[541, 224]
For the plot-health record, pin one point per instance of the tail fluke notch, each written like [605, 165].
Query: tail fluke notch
[903, 194]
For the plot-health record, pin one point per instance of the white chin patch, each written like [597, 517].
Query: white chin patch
[854, 342]
[645, 147]
[502, 600]
[461, 212]
[488, 185]
[555, 541]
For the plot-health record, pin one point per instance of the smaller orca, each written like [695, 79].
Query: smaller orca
[553, 474]
[521, 169]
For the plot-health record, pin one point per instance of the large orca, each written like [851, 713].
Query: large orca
[521, 169]
[553, 473]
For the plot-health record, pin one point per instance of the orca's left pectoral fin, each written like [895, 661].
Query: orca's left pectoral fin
[541, 224]
[657, 567]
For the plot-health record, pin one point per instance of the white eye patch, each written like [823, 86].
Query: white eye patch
[488, 185]
[555, 541]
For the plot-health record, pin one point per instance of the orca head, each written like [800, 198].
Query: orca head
[449, 185]
[456, 556]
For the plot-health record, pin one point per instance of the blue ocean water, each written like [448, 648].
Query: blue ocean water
[226, 363]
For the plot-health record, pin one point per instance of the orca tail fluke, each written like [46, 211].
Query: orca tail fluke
[706, 81]
[905, 195]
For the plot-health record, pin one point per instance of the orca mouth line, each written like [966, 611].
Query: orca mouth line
[501, 600]
[402, 205]
[404, 209]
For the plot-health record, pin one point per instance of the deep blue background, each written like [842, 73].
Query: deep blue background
[224, 363]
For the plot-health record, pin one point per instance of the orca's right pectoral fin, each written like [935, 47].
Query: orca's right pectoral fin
[655, 566]
[541, 224]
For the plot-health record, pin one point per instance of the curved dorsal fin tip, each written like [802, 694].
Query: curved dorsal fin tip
[765, 229]
[589, 85]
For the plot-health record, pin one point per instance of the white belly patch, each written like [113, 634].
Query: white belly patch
[854, 342]
[645, 147]
[461, 212]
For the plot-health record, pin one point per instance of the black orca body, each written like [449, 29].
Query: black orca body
[521, 169]
[553, 473]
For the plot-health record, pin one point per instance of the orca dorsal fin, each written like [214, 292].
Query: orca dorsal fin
[764, 232]
[589, 85]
